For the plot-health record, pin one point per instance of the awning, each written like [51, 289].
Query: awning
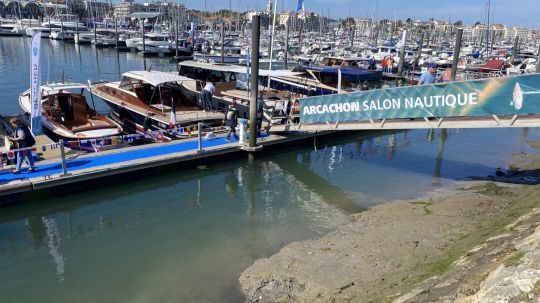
[156, 78]
[144, 15]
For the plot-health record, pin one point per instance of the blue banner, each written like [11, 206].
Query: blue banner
[485, 97]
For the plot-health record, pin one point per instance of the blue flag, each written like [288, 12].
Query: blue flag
[300, 8]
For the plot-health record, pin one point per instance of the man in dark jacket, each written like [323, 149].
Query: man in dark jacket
[231, 117]
[24, 141]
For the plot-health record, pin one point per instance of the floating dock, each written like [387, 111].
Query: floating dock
[90, 170]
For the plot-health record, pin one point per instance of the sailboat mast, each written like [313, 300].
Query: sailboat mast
[488, 24]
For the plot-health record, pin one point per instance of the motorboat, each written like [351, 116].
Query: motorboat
[45, 31]
[67, 115]
[231, 83]
[104, 38]
[10, 29]
[154, 44]
[145, 100]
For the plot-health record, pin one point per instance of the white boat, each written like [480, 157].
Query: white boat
[132, 42]
[384, 51]
[66, 114]
[45, 31]
[104, 38]
[155, 44]
[10, 29]
[83, 38]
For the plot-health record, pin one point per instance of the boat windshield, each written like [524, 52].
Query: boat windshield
[130, 84]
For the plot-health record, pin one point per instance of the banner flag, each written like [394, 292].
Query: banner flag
[35, 85]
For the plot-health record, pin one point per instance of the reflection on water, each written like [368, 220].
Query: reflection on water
[54, 240]
[180, 237]
[186, 236]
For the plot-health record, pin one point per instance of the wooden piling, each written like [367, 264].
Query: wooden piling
[457, 50]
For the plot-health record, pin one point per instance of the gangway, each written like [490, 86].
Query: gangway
[484, 103]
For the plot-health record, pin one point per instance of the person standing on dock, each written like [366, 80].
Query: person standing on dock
[428, 77]
[207, 93]
[24, 140]
[231, 117]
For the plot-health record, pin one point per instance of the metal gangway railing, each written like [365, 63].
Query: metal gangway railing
[482, 103]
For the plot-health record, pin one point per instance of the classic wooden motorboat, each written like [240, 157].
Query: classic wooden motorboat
[66, 114]
[144, 100]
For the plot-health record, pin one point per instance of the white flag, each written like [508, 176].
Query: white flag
[35, 84]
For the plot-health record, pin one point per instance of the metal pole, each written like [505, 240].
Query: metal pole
[222, 42]
[493, 38]
[143, 41]
[177, 37]
[63, 156]
[199, 139]
[420, 46]
[286, 57]
[77, 30]
[270, 54]
[116, 32]
[352, 36]
[457, 50]
[95, 34]
[255, 40]
[514, 50]
[402, 54]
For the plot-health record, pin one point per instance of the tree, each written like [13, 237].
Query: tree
[477, 23]
[458, 23]
[349, 22]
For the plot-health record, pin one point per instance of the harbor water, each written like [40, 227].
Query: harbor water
[186, 235]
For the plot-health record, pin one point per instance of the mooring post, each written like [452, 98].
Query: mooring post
[95, 33]
[538, 60]
[116, 32]
[457, 50]
[419, 52]
[199, 138]
[402, 54]
[143, 41]
[222, 42]
[76, 30]
[176, 38]
[514, 50]
[255, 38]
[286, 57]
[63, 156]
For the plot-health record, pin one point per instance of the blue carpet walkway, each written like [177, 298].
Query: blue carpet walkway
[106, 159]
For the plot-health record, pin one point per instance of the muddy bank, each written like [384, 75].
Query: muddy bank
[387, 251]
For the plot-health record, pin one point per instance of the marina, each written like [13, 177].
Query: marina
[185, 156]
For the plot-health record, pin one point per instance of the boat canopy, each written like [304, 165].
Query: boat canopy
[55, 88]
[156, 78]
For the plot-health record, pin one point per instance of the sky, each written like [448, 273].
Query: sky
[524, 13]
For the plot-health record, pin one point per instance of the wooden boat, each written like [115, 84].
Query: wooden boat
[66, 114]
[144, 100]
[231, 82]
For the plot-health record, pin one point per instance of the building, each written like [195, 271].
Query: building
[363, 27]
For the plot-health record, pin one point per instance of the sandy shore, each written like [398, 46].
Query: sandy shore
[465, 244]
